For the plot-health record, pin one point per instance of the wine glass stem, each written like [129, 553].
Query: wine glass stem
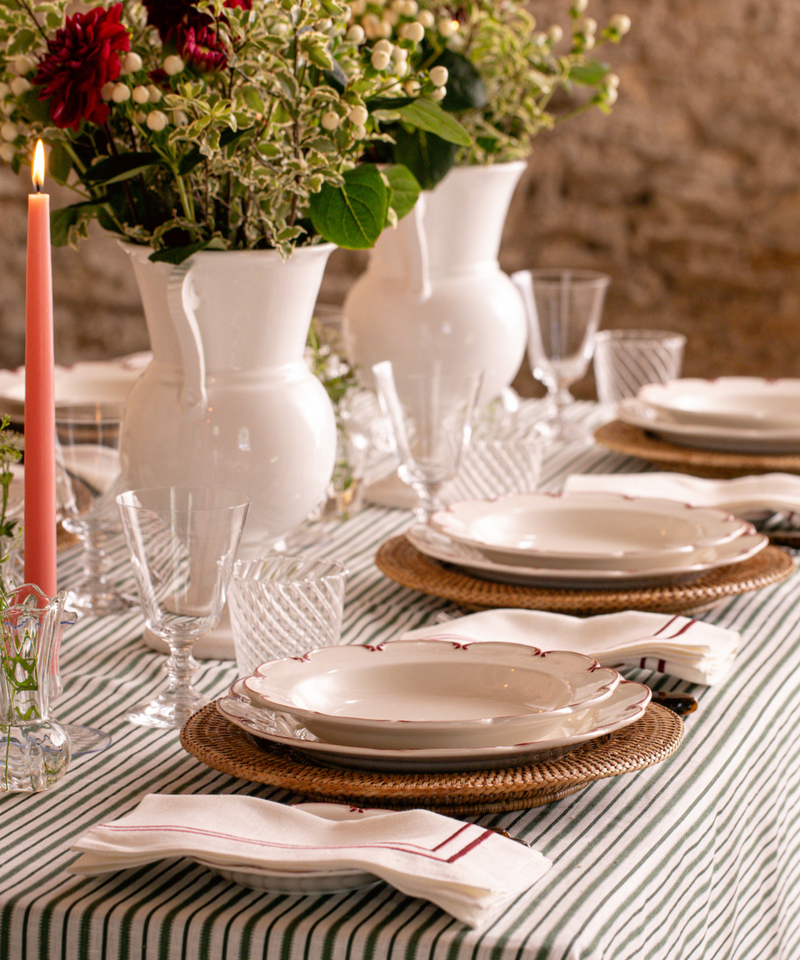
[94, 559]
[561, 398]
[180, 666]
[428, 501]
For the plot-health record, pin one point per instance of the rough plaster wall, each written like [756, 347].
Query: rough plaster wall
[688, 195]
[97, 312]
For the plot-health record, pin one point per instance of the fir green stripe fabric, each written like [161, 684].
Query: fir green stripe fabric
[697, 858]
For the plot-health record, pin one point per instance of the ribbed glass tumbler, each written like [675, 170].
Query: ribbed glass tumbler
[626, 360]
[283, 607]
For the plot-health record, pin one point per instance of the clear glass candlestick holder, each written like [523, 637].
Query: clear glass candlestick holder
[35, 750]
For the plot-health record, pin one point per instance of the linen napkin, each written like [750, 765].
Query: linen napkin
[679, 646]
[750, 497]
[467, 870]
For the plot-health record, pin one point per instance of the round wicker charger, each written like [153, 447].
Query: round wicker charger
[715, 464]
[402, 562]
[224, 747]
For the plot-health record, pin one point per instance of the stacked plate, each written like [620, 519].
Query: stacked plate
[86, 382]
[735, 414]
[586, 540]
[433, 705]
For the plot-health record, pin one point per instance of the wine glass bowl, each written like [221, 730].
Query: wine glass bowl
[89, 478]
[564, 308]
[429, 415]
[183, 543]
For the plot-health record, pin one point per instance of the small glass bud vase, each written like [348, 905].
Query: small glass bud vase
[34, 749]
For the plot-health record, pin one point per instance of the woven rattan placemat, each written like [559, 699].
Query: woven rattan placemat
[716, 464]
[224, 747]
[402, 562]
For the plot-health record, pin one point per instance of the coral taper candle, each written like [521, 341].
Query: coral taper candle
[40, 430]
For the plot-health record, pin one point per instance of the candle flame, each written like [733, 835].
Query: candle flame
[38, 166]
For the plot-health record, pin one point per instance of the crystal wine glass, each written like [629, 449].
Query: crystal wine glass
[564, 308]
[183, 543]
[430, 417]
[89, 477]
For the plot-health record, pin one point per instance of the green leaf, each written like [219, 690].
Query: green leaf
[429, 116]
[465, 89]
[194, 156]
[405, 189]
[123, 167]
[336, 77]
[352, 216]
[189, 161]
[230, 135]
[59, 163]
[388, 103]
[590, 73]
[427, 157]
[66, 218]
[177, 255]
[288, 84]
[22, 42]
[252, 98]
[34, 108]
[488, 144]
[318, 55]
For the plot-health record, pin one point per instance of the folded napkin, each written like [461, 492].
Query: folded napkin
[750, 497]
[685, 648]
[470, 872]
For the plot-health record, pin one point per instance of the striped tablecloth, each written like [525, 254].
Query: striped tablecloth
[698, 857]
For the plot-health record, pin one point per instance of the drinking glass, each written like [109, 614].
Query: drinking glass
[564, 308]
[89, 477]
[429, 414]
[284, 606]
[183, 543]
[626, 360]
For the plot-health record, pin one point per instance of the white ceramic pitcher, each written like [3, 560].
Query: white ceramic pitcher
[228, 398]
[433, 289]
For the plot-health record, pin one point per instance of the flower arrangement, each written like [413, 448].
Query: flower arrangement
[210, 124]
[493, 68]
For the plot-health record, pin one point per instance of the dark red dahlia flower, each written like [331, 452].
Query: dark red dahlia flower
[193, 33]
[80, 59]
[200, 48]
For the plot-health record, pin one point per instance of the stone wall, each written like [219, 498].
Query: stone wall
[688, 195]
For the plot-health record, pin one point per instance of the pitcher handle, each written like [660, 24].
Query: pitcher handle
[183, 299]
[417, 264]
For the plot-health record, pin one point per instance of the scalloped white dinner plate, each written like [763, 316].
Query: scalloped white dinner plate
[738, 403]
[681, 570]
[626, 703]
[753, 497]
[408, 694]
[86, 382]
[587, 531]
[734, 414]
